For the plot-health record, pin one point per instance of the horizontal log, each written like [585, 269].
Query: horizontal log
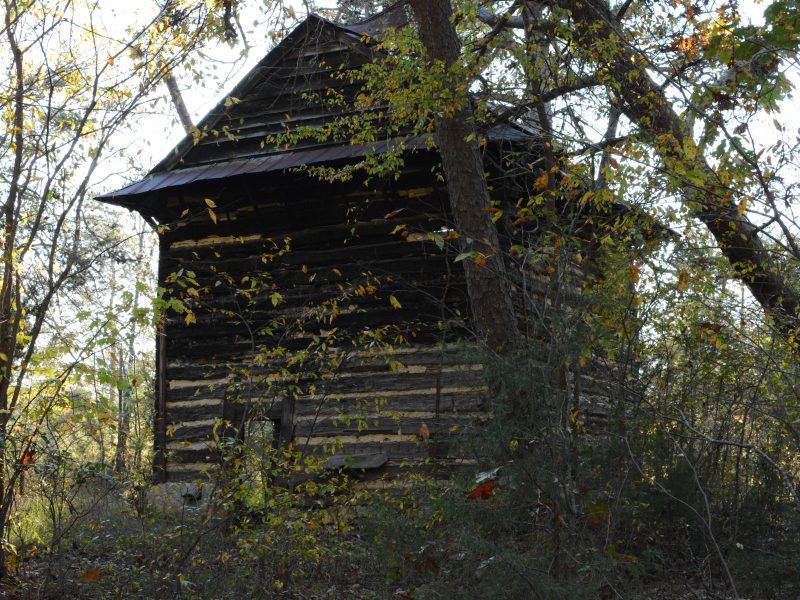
[192, 452]
[334, 384]
[372, 460]
[194, 410]
[443, 425]
[241, 235]
[223, 348]
[399, 360]
[394, 450]
[349, 327]
[465, 399]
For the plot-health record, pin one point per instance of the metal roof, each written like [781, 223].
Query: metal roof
[258, 164]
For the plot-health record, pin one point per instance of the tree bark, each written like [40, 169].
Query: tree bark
[487, 284]
[645, 103]
[177, 100]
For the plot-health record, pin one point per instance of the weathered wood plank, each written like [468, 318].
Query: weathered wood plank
[400, 360]
[404, 424]
[465, 399]
[338, 383]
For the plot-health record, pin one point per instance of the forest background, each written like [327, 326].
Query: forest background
[683, 111]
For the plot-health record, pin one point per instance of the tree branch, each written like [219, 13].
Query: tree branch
[644, 103]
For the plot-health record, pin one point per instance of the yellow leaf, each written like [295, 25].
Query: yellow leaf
[416, 237]
[395, 302]
[213, 216]
[742, 207]
[541, 182]
[210, 203]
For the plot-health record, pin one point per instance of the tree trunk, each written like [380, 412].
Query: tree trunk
[487, 284]
[123, 426]
[125, 397]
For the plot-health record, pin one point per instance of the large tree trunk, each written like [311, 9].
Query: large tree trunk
[487, 284]
[645, 103]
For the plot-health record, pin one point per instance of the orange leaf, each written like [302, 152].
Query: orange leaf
[480, 260]
[520, 221]
[542, 181]
[28, 459]
[491, 209]
[483, 491]
[91, 576]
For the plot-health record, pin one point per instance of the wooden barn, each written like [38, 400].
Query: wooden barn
[332, 314]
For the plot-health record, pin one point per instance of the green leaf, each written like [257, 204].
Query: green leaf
[464, 255]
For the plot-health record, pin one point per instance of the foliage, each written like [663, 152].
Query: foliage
[69, 88]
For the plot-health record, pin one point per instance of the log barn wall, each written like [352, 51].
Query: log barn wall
[332, 310]
[389, 312]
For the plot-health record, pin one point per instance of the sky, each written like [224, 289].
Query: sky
[157, 130]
